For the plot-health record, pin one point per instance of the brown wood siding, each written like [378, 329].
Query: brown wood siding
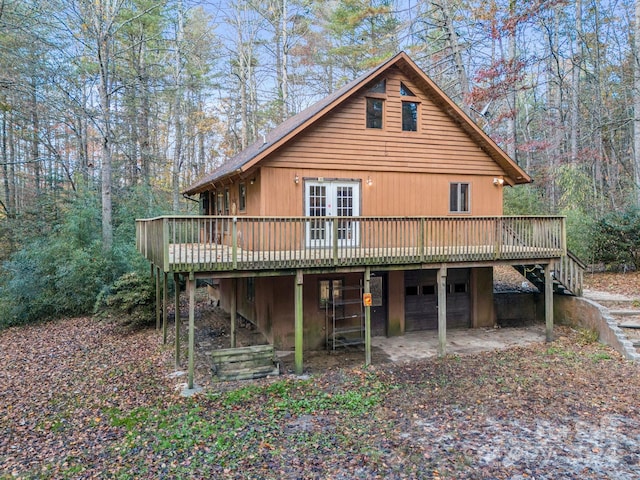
[483, 311]
[274, 309]
[392, 193]
[341, 140]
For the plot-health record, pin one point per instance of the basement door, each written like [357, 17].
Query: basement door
[421, 299]
[335, 198]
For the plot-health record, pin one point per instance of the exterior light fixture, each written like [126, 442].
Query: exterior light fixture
[369, 181]
[498, 182]
[296, 179]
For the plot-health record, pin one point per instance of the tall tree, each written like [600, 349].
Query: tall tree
[636, 104]
[97, 23]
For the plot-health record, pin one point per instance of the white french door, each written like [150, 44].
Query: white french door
[332, 199]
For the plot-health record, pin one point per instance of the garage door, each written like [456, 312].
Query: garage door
[421, 299]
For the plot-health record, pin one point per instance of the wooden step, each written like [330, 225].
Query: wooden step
[633, 326]
[624, 313]
[244, 363]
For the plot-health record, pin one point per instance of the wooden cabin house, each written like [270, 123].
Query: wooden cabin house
[385, 188]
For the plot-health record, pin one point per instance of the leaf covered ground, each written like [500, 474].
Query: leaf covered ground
[80, 399]
[621, 283]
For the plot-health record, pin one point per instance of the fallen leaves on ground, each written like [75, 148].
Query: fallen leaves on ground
[623, 283]
[80, 399]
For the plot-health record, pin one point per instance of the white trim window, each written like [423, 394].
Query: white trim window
[459, 193]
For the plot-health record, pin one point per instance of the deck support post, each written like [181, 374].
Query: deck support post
[367, 318]
[233, 311]
[299, 324]
[165, 302]
[158, 300]
[442, 311]
[176, 301]
[191, 287]
[548, 301]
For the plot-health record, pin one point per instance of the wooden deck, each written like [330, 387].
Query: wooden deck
[217, 244]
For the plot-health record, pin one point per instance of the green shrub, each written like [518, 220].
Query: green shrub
[129, 301]
[524, 200]
[580, 233]
[50, 278]
[60, 270]
[617, 238]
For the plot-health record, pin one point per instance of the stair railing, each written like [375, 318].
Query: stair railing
[570, 273]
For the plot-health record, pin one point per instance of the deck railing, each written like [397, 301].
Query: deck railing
[219, 243]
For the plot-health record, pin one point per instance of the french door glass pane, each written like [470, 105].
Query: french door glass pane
[344, 204]
[317, 208]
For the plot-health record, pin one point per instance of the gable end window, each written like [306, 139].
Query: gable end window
[459, 198]
[410, 116]
[405, 92]
[374, 112]
[380, 87]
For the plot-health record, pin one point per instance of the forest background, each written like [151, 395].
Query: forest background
[108, 108]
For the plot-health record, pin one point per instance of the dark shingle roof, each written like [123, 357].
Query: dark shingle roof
[290, 127]
[235, 163]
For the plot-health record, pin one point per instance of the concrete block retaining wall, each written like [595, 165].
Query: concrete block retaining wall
[585, 313]
[519, 309]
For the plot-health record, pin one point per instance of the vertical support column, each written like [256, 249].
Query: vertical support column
[548, 301]
[233, 310]
[191, 287]
[165, 301]
[367, 318]
[176, 301]
[442, 311]
[299, 324]
[158, 300]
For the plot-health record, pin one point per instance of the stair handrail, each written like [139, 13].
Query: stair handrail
[570, 273]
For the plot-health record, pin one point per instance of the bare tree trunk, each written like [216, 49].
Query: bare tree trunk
[105, 105]
[636, 105]
[576, 56]
[35, 142]
[453, 45]
[597, 114]
[512, 127]
[285, 63]
[145, 142]
[177, 114]
[5, 168]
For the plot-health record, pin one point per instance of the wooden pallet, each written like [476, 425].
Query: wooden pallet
[244, 363]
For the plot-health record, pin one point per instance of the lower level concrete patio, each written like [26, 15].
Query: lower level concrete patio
[415, 346]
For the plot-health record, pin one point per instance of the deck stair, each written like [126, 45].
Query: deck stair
[567, 276]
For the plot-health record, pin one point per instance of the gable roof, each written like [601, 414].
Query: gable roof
[287, 130]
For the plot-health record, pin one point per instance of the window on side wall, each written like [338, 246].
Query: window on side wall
[204, 203]
[459, 198]
[242, 197]
[329, 291]
[375, 107]
[220, 203]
